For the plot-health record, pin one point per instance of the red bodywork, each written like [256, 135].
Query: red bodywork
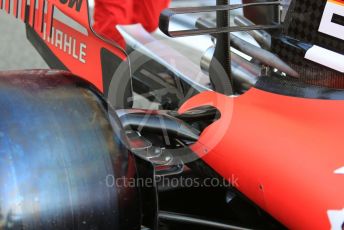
[90, 44]
[282, 150]
[90, 68]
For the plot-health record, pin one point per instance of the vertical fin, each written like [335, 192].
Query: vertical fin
[39, 15]
[7, 6]
[49, 19]
[32, 12]
[23, 10]
[15, 8]
[43, 15]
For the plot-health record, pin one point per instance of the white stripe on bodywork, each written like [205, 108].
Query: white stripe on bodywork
[326, 57]
[336, 218]
[339, 171]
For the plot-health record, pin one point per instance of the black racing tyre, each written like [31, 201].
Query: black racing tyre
[61, 156]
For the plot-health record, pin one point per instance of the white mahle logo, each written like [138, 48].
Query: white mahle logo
[66, 43]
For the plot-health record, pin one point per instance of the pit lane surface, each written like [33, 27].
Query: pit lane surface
[16, 52]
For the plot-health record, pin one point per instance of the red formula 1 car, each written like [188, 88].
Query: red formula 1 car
[251, 142]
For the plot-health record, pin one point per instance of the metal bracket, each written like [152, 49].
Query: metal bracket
[168, 14]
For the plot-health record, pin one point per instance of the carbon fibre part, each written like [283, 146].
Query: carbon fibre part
[301, 31]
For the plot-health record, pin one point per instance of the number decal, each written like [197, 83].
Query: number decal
[332, 22]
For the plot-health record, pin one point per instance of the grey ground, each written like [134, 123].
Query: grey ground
[16, 52]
